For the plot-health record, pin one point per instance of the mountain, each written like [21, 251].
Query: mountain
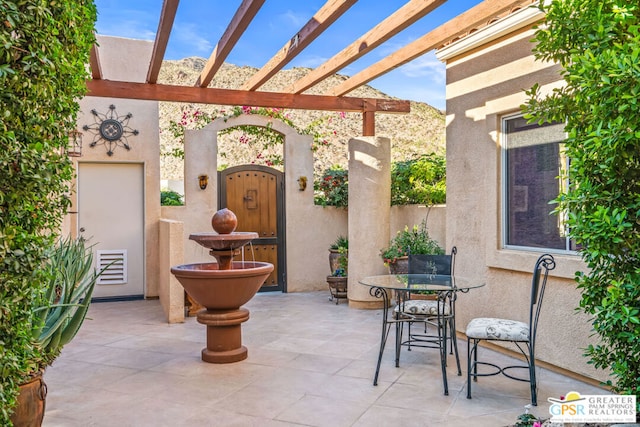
[420, 131]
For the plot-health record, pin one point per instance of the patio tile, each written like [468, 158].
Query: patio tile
[383, 416]
[324, 411]
[310, 363]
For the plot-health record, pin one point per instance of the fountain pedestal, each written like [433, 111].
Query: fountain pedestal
[224, 335]
[222, 288]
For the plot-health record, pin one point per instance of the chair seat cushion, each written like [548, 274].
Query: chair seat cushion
[498, 329]
[422, 307]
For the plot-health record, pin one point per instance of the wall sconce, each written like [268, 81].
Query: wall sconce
[203, 181]
[74, 145]
[302, 183]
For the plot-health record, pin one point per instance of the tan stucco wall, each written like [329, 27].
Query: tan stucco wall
[484, 84]
[170, 291]
[369, 207]
[310, 229]
[116, 57]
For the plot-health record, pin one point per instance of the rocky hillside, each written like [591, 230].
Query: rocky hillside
[420, 131]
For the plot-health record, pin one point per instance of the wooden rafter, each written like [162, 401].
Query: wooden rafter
[94, 62]
[398, 21]
[322, 20]
[243, 16]
[476, 17]
[172, 93]
[457, 26]
[167, 16]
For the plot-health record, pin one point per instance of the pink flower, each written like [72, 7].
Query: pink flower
[537, 424]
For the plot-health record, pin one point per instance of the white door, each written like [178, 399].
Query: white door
[111, 218]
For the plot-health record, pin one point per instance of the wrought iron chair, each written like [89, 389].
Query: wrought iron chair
[522, 334]
[425, 311]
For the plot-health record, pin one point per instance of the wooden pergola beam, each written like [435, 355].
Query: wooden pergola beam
[322, 20]
[167, 16]
[457, 26]
[243, 16]
[171, 93]
[392, 25]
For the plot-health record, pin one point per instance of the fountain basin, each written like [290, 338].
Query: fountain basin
[222, 289]
[219, 242]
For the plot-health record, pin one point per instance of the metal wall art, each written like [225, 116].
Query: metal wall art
[111, 130]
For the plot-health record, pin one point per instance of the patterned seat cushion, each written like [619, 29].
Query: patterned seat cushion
[498, 329]
[422, 307]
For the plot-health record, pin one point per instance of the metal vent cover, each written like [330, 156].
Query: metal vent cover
[114, 261]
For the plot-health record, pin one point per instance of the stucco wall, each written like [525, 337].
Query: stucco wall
[116, 54]
[483, 84]
[310, 229]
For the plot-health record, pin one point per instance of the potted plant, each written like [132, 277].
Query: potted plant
[58, 315]
[338, 264]
[414, 240]
[339, 248]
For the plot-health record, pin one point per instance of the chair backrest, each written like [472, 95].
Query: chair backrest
[433, 264]
[544, 265]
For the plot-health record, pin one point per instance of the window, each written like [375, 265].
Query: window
[532, 158]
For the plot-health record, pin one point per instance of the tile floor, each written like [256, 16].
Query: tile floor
[310, 363]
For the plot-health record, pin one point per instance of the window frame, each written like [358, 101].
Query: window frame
[504, 202]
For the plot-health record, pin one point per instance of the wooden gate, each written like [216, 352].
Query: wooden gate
[256, 195]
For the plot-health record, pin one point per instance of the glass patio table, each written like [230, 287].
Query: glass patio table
[444, 289]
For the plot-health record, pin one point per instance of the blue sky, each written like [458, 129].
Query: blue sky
[199, 25]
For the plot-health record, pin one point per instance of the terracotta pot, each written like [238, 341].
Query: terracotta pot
[337, 287]
[333, 259]
[399, 266]
[29, 412]
[431, 297]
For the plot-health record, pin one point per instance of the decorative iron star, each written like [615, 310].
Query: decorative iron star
[110, 129]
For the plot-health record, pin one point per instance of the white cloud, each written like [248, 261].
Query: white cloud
[191, 38]
[309, 61]
[128, 23]
[291, 18]
[425, 66]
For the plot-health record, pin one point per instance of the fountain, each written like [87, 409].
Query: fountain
[223, 287]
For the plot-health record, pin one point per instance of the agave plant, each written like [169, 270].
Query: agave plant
[66, 296]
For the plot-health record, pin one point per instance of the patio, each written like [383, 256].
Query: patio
[310, 363]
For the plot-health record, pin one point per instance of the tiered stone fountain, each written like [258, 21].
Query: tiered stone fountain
[223, 287]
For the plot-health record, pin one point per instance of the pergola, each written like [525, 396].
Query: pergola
[293, 97]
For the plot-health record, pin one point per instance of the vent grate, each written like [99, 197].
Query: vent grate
[115, 264]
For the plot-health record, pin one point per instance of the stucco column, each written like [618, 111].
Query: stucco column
[369, 214]
[200, 158]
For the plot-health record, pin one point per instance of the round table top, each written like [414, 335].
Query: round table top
[420, 282]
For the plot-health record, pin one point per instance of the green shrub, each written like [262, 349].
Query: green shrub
[415, 181]
[332, 189]
[419, 181]
[44, 49]
[597, 43]
[341, 242]
[170, 198]
[415, 240]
